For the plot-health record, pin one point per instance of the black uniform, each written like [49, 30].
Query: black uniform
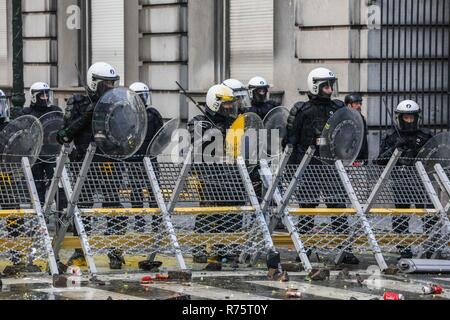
[154, 124]
[306, 123]
[262, 109]
[78, 127]
[204, 223]
[42, 171]
[410, 143]
[363, 155]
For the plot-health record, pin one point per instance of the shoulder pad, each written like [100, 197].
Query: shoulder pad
[153, 111]
[55, 108]
[77, 99]
[26, 111]
[425, 131]
[338, 103]
[299, 106]
[198, 118]
[273, 103]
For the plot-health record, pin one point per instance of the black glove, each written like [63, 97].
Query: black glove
[402, 143]
[62, 137]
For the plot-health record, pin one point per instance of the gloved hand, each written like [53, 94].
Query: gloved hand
[62, 137]
[402, 143]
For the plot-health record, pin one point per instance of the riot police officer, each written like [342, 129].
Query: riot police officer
[410, 138]
[258, 88]
[41, 104]
[154, 124]
[155, 120]
[355, 101]
[240, 92]
[221, 112]
[101, 78]
[306, 123]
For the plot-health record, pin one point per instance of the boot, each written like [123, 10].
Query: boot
[350, 258]
[116, 259]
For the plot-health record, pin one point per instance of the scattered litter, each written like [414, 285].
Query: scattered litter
[75, 271]
[393, 296]
[276, 275]
[146, 280]
[344, 275]
[291, 267]
[182, 275]
[319, 274]
[392, 270]
[359, 280]
[213, 266]
[293, 293]
[432, 289]
[161, 277]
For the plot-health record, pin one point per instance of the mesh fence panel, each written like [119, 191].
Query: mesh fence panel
[319, 185]
[21, 236]
[121, 189]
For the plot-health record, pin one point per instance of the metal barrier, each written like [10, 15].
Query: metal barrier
[214, 209]
[24, 238]
[370, 209]
[150, 207]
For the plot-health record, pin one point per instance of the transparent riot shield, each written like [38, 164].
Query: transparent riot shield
[51, 122]
[165, 145]
[436, 150]
[22, 137]
[276, 124]
[342, 137]
[119, 123]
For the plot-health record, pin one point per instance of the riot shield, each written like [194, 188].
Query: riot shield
[244, 138]
[119, 123]
[165, 144]
[436, 150]
[342, 137]
[22, 137]
[276, 123]
[51, 122]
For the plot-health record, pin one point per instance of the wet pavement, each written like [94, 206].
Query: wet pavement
[227, 285]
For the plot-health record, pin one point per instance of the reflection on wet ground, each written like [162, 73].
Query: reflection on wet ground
[239, 285]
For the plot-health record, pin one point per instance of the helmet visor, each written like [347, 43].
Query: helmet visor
[105, 85]
[328, 87]
[229, 109]
[44, 97]
[242, 99]
[146, 98]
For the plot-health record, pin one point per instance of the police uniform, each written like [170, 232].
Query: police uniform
[306, 123]
[42, 171]
[262, 109]
[411, 143]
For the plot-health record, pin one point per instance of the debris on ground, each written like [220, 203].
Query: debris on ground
[393, 296]
[292, 267]
[432, 289]
[293, 293]
[150, 266]
[344, 275]
[359, 280]
[146, 280]
[319, 274]
[180, 275]
[213, 266]
[276, 275]
[59, 281]
[392, 270]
